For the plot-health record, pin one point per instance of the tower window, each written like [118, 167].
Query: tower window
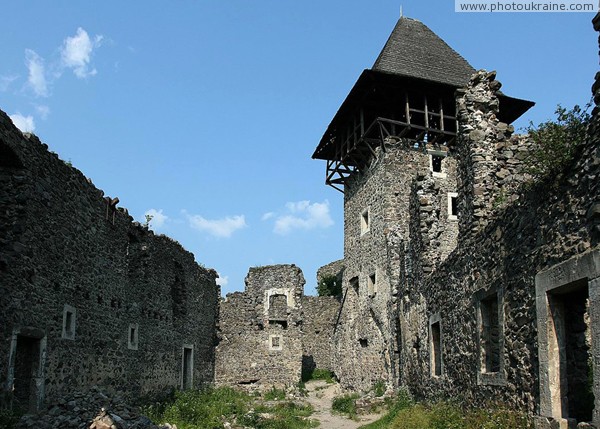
[275, 342]
[435, 346]
[364, 222]
[452, 205]
[436, 160]
[69, 318]
[372, 284]
[132, 338]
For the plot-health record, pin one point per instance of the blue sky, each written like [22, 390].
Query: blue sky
[207, 112]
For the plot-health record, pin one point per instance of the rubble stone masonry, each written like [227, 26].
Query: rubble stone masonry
[89, 297]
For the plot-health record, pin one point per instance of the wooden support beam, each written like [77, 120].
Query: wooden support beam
[407, 107]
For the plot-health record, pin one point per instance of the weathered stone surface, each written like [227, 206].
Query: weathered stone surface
[63, 250]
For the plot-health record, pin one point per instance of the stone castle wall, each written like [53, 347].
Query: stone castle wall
[89, 297]
[260, 330]
[499, 254]
[318, 323]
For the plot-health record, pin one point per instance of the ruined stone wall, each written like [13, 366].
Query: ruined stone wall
[260, 330]
[500, 252]
[92, 297]
[318, 322]
[366, 336]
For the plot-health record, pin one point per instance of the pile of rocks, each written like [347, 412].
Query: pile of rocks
[92, 410]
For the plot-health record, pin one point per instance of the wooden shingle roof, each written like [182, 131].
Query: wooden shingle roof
[413, 50]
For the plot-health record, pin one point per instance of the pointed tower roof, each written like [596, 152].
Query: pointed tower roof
[413, 50]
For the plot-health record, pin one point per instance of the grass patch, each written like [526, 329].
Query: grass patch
[275, 395]
[345, 404]
[318, 374]
[210, 408]
[379, 388]
[404, 413]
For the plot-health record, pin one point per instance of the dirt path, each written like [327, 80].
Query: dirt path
[320, 395]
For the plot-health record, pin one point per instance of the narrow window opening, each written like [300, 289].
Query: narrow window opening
[436, 349]
[132, 341]
[452, 205]
[364, 222]
[490, 335]
[187, 368]
[363, 342]
[354, 284]
[69, 320]
[436, 164]
[372, 284]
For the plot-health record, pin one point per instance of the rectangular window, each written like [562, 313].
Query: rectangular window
[372, 284]
[354, 283]
[490, 334]
[187, 368]
[275, 342]
[69, 322]
[435, 346]
[436, 160]
[364, 222]
[132, 338]
[452, 205]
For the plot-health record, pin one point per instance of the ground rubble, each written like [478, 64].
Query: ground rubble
[91, 410]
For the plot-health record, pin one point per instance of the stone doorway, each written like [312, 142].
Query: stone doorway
[26, 369]
[568, 318]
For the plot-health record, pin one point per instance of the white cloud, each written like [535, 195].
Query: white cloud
[6, 81]
[37, 74]
[42, 110]
[222, 280]
[24, 123]
[158, 218]
[268, 216]
[76, 53]
[303, 215]
[218, 227]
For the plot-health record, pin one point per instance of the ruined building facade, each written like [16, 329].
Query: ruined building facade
[459, 281]
[88, 297]
[270, 333]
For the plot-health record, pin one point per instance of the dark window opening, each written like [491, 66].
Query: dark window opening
[436, 163]
[490, 334]
[282, 324]
[454, 206]
[8, 157]
[354, 283]
[436, 349]
[363, 342]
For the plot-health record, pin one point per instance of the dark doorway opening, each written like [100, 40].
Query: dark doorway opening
[188, 367]
[27, 368]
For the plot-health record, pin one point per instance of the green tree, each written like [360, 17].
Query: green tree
[329, 286]
[555, 141]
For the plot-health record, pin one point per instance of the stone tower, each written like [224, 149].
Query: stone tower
[390, 149]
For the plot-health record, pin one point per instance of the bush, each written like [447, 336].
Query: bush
[329, 286]
[318, 374]
[555, 142]
[379, 388]
[345, 404]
